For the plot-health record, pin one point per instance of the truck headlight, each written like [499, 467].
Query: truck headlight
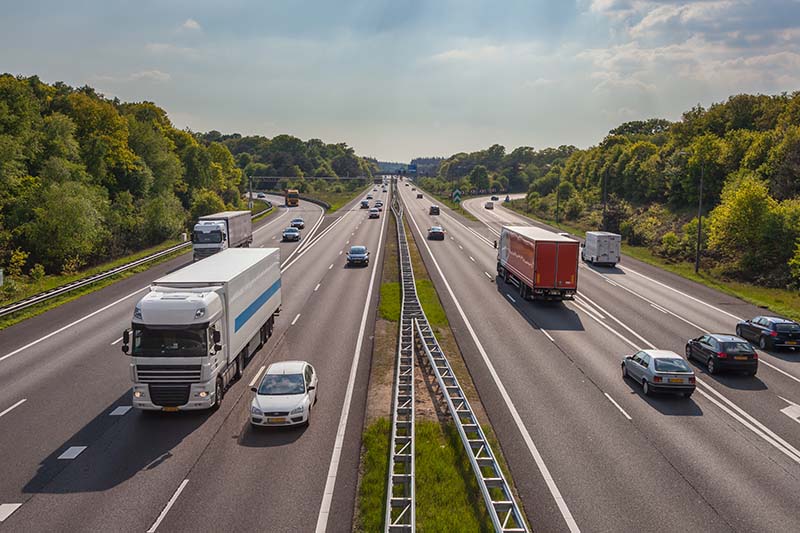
[138, 394]
[200, 313]
[255, 410]
[297, 410]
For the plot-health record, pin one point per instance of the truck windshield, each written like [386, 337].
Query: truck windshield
[293, 195]
[184, 342]
[203, 237]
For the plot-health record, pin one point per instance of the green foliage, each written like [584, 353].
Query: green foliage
[17, 263]
[205, 202]
[389, 307]
[164, 218]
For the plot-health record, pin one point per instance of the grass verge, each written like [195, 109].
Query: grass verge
[337, 199]
[782, 301]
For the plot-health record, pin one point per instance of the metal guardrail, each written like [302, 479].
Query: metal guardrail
[77, 284]
[503, 509]
[400, 493]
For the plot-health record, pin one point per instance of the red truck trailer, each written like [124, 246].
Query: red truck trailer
[542, 264]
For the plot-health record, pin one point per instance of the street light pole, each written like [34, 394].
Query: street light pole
[250, 186]
[605, 194]
[699, 219]
[557, 197]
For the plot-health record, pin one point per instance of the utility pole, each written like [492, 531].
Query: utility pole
[557, 197]
[699, 218]
[250, 186]
[605, 194]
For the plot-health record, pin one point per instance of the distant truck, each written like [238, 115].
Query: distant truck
[194, 332]
[217, 232]
[601, 248]
[542, 264]
[292, 198]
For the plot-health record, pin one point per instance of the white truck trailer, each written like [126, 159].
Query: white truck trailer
[217, 232]
[601, 248]
[194, 332]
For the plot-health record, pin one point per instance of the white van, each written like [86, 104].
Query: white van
[601, 248]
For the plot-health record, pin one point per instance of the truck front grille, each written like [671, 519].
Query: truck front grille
[169, 395]
[173, 374]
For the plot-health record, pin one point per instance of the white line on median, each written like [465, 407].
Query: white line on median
[548, 335]
[618, 406]
[116, 341]
[13, 407]
[330, 483]
[7, 509]
[472, 259]
[526, 436]
[258, 375]
[169, 505]
[659, 308]
[72, 452]
[295, 319]
[488, 275]
[120, 410]
[340, 252]
[330, 267]
[460, 247]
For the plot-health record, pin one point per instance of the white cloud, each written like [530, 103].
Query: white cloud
[155, 76]
[191, 24]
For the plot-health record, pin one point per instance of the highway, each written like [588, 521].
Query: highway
[587, 450]
[77, 458]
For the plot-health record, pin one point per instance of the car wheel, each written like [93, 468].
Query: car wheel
[763, 343]
[712, 366]
[752, 372]
[739, 331]
[624, 371]
[646, 388]
[218, 394]
[688, 353]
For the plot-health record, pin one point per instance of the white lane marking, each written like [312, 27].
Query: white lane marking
[116, 341]
[169, 505]
[295, 319]
[793, 411]
[120, 410]
[72, 452]
[274, 237]
[330, 267]
[354, 232]
[317, 239]
[511, 298]
[607, 280]
[309, 237]
[317, 287]
[330, 483]
[460, 247]
[8, 410]
[472, 259]
[526, 436]
[548, 335]
[59, 330]
[452, 238]
[271, 221]
[478, 235]
[588, 310]
[627, 269]
[7, 509]
[659, 308]
[618, 406]
[488, 275]
[258, 375]
[785, 373]
[348, 242]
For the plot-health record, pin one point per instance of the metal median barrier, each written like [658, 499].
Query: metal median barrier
[69, 287]
[417, 334]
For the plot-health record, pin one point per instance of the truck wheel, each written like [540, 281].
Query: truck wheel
[218, 394]
[239, 366]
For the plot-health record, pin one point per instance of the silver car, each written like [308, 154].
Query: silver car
[659, 371]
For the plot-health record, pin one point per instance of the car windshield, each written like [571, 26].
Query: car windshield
[172, 342]
[291, 230]
[787, 328]
[282, 384]
[736, 347]
[672, 365]
[436, 229]
[358, 250]
[297, 220]
[204, 237]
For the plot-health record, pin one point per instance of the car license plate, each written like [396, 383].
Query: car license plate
[741, 358]
[170, 409]
[791, 342]
[279, 420]
[676, 380]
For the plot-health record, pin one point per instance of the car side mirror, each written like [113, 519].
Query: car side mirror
[311, 387]
[254, 389]
[217, 336]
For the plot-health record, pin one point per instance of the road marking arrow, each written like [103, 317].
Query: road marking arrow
[793, 411]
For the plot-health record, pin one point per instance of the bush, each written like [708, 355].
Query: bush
[37, 272]
[163, 218]
[205, 202]
[670, 245]
[574, 207]
[16, 263]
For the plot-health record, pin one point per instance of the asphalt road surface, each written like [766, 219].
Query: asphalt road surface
[587, 450]
[77, 458]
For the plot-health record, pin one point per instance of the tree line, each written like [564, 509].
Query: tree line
[85, 178]
[747, 150]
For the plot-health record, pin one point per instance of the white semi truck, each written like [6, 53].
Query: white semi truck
[217, 232]
[194, 332]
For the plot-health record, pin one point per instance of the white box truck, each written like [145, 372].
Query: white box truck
[217, 232]
[194, 332]
[601, 248]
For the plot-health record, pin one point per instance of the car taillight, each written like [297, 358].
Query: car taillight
[657, 379]
[755, 355]
[773, 333]
[691, 379]
[722, 355]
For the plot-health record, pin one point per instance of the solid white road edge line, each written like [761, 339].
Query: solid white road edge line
[59, 330]
[7, 509]
[511, 298]
[13, 407]
[548, 335]
[317, 239]
[618, 406]
[258, 375]
[169, 505]
[526, 436]
[317, 287]
[330, 483]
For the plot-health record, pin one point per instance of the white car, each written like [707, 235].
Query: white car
[285, 396]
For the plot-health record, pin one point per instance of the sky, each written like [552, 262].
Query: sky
[398, 79]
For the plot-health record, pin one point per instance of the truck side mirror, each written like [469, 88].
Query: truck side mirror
[126, 336]
[495, 245]
[124, 348]
[217, 336]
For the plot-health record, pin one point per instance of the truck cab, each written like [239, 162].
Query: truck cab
[208, 238]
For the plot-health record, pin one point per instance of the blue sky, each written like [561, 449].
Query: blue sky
[398, 79]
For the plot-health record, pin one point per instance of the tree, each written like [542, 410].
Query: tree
[205, 202]
[479, 177]
[164, 218]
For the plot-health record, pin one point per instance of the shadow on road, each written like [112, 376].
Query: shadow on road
[551, 316]
[140, 441]
[269, 437]
[666, 404]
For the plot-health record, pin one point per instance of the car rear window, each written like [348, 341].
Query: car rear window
[736, 347]
[672, 365]
[357, 250]
[787, 328]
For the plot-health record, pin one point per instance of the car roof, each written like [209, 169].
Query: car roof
[297, 218]
[726, 337]
[353, 248]
[286, 367]
[662, 354]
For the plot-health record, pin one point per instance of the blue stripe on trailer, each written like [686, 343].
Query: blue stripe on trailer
[253, 308]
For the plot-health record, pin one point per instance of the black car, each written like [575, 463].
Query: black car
[434, 210]
[358, 255]
[495, 198]
[770, 332]
[436, 233]
[419, 195]
[720, 352]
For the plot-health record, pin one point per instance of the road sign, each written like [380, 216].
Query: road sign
[457, 196]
